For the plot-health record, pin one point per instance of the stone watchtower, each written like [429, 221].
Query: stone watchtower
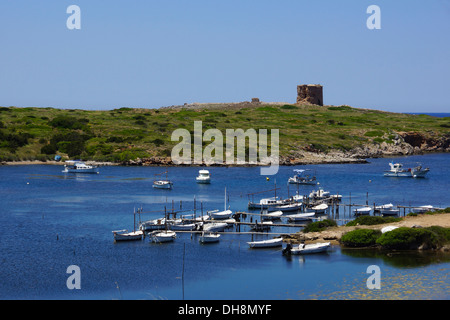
[310, 94]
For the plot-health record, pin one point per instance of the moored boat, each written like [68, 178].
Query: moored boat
[397, 170]
[163, 236]
[302, 177]
[209, 237]
[307, 248]
[124, 235]
[203, 177]
[301, 216]
[362, 211]
[271, 243]
[78, 166]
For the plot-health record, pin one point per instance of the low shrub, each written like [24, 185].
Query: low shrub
[360, 238]
[408, 238]
[319, 225]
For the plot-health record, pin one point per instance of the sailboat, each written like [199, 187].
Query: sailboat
[221, 215]
[124, 235]
[161, 183]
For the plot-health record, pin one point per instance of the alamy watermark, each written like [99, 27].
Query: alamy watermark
[374, 280]
[213, 153]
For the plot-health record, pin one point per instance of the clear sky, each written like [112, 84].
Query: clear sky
[159, 53]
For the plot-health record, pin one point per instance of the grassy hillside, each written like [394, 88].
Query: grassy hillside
[123, 134]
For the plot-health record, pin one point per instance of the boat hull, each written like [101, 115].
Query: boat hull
[160, 237]
[310, 248]
[129, 236]
[273, 243]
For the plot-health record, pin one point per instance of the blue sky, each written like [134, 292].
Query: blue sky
[160, 53]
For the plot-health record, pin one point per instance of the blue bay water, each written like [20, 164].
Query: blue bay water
[50, 220]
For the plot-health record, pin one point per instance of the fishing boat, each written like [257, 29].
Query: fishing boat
[301, 216]
[320, 208]
[397, 170]
[302, 177]
[162, 183]
[124, 235]
[310, 248]
[78, 166]
[272, 215]
[150, 225]
[271, 243]
[184, 226]
[209, 237]
[163, 236]
[319, 194]
[362, 211]
[267, 203]
[203, 177]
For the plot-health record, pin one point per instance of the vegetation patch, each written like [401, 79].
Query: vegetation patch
[360, 238]
[319, 225]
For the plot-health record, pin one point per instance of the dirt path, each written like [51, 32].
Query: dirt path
[334, 234]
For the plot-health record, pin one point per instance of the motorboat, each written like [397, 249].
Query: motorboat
[307, 248]
[124, 235]
[163, 236]
[320, 209]
[362, 211]
[301, 216]
[397, 170]
[267, 203]
[302, 177]
[274, 215]
[209, 237]
[271, 243]
[78, 166]
[319, 194]
[203, 177]
[150, 225]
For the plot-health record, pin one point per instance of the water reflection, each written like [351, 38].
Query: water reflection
[400, 259]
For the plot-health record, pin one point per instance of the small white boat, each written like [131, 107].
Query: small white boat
[124, 235]
[209, 237]
[362, 211]
[384, 206]
[390, 212]
[388, 228]
[300, 216]
[183, 226]
[423, 209]
[78, 166]
[215, 226]
[310, 248]
[287, 207]
[302, 177]
[163, 236]
[272, 215]
[203, 177]
[319, 209]
[398, 171]
[162, 183]
[220, 215]
[271, 243]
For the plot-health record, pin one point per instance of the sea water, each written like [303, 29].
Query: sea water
[50, 220]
